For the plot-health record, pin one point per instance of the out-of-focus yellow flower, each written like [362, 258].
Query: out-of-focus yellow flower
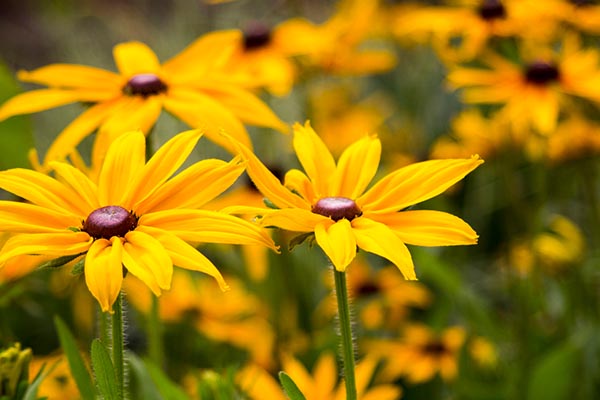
[339, 45]
[483, 352]
[59, 384]
[582, 15]
[321, 384]
[574, 138]
[237, 317]
[189, 86]
[420, 353]
[533, 94]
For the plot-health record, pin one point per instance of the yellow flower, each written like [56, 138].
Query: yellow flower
[59, 384]
[135, 215]
[258, 384]
[185, 86]
[532, 94]
[421, 353]
[330, 200]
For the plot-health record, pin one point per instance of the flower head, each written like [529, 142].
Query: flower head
[137, 215]
[332, 201]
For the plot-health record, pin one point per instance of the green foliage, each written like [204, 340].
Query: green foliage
[59, 262]
[104, 370]
[290, 387]
[553, 376]
[152, 382]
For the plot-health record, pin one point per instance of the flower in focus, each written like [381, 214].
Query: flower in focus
[187, 86]
[332, 202]
[258, 384]
[236, 317]
[420, 353]
[533, 94]
[137, 215]
[59, 383]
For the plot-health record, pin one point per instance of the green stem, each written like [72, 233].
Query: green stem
[155, 344]
[341, 293]
[118, 345]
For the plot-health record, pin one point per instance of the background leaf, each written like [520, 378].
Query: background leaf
[103, 368]
[290, 387]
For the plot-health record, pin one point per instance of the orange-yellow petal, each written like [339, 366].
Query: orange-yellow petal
[104, 271]
[356, 168]
[147, 259]
[338, 242]
[297, 181]
[377, 238]
[31, 218]
[74, 76]
[81, 184]
[53, 244]
[135, 58]
[134, 113]
[315, 158]
[37, 100]
[293, 219]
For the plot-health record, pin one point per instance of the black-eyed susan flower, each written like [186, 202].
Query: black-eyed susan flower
[332, 201]
[534, 92]
[137, 215]
[188, 86]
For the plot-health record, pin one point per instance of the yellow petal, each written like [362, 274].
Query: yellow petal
[147, 259]
[183, 255]
[74, 76]
[52, 244]
[104, 271]
[356, 168]
[137, 113]
[338, 242]
[428, 228]
[293, 219]
[297, 181]
[194, 187]
[43, 190]
[267, 183]
[415, 183]
[81, 184]
[199, 110]
[207, 227]
[315, 158]
[167, 159]
[30, 218]
[377, 238]
[37, 100]
[300, 376]
[135, 58]
[78, 129]
[326, 374]
[124, 161]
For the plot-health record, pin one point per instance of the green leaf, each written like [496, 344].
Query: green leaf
[58, 262]
[299, 239]
[103, 368]
[289, 387]
[553, 377]
[270, 204]
[80, 373]
[31, 393]
[78, 267]
[154, 383]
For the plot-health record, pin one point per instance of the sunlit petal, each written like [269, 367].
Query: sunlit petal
[315, 158]
[74, 76]
[147, 259]
[356, 168]
[137, 113]
[39, 100]
[293, 219]
[297, 181]
[104, 271]
[81, 184]
[53, 244]
[135, 58]
[338, 242]
[377, 238]
[25, 217]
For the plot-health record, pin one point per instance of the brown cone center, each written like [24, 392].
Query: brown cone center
[337, 208]
[541, 73]
[109, 221]
[491, 9]
[144, 85]
[256, 35]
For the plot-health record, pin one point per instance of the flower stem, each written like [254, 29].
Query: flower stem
[118, 345]
[341, 293]
[155, 345]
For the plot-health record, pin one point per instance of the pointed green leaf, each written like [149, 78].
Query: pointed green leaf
[301, 238]
[78, 369]
[104, 371]
[289, 387]
[78, 267]
[554, 377]
[31, 393]
[58, 262]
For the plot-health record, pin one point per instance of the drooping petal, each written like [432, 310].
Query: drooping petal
[204, 226]
[293, 219]
[167, 159]
[356, 168]
[199, 110]
[74, 76]
[31, 218]
[43, 190]
[53, 244]
[315, 158]
[104, 271]
[193, 187]
[81, 184]
[377, 238]
[338, 242]
[415, 183]
[184, 255]
[124, 161]
[134, 58]
[297, 181]
[39, 100]
[428, 228]
[147, 259]
[267, 183]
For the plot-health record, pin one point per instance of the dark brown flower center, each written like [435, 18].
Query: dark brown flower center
[541, 73]
[144, 85]
[109, 221]
[491, 9]
[435, 348]
[367, 289]
[256, 35]
[337, 208]
[583, 3]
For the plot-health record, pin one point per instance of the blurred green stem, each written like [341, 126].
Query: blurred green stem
[341, 293]
[118, 345]
[155, 331]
